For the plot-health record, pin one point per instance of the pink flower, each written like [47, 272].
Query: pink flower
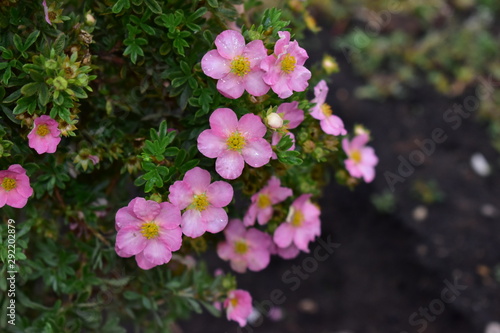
[234, 142]
[238, 305]
[361, 160]
[302, 225]
[245, 248]
[45, 136]
[295, 116]
[289, 252]
[263, 201]
[284, 70]
[149, 231]
[236, 65]
[46, 12]
[203, 202]
[15, 187]
[330, 123]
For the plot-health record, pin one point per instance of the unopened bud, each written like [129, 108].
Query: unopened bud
[274, 120]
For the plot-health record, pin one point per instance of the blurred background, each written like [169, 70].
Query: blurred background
[417, 250]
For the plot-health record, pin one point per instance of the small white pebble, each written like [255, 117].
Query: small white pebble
[488, 210]
[492, 327]
[480, 165]
[308, 305]
[420, 213]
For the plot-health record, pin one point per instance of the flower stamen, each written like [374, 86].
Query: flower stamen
[326, 110]
[42, 130]
[200, 202]
[264, 201]
[9, 183]
[236, 142]
[297, 218]
[241, 247]
[150, 230]
[240, 66]
[288, 63]
[356, 156]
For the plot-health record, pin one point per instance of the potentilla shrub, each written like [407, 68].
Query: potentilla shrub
[137, 135]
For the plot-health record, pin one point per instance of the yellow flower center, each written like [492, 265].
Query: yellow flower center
[264, 201]
[297, 218]
[288, 63]
[9, 183]
[356, 156]
[42, 130]
[150, 230]
[236, 142]
[200, 202]
[326, 109]
[241, 247]
[234, 302]
[240, 66]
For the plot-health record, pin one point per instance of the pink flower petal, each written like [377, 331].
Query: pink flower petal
[15, 199]
[264, 215]
[215, 219]
[198, 179]
[181, 194]
[281, 87]
[130, 240]
[156, 252]
[360, 141]
[255, 51]
[257, 152]
[142, 262]
[230, 44]
[320, 93]
[219, 194]
[225, 250]
[251, 126]
[254, 83]
[230, 164]
[250, 216]
[239, 265]
[3, 197]
[234, 230]
[125, 216]
[292, 113]
[231, 86]
[146, 210]
[289, 252]
[169, 216]
[283, 236]
[223, 122]
[281, 45]
[299, 78]
[192, 223]
[210, 144]
[172, 238]
[333, 125]
[215, 66]
[259, 260]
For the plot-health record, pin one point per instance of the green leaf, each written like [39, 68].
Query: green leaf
[119, 5]
[18, 42]
[30, 88]
[12, 97]
[213, 3]
[153, 6]
[197, 14]
[31, 39]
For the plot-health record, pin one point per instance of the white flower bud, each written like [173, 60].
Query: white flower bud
[274, 120]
